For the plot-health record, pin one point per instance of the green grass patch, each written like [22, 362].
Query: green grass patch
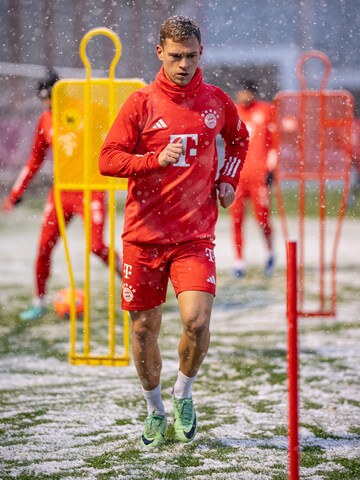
[263, 406]
[105, 460]
[26, 476]
[320, 432]
[24, 420]
[333, 200]
[351, 401]
[280, 431]
[311, 405]
[350, 469]
[312, 456]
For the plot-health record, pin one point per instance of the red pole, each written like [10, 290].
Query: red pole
[291, 307]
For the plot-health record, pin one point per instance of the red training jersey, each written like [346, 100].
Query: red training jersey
[258, 117]
[177, 203]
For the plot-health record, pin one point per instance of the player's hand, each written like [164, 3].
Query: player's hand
[171, 154]
[7, 205]
[226, 194]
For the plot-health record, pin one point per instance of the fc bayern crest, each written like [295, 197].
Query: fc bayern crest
[210, 118]
[128, 292]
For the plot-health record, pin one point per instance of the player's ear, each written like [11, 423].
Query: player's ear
[160, 52]
[201, 50]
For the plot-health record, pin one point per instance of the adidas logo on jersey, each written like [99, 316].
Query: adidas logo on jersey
[211, 279]
[160, 124]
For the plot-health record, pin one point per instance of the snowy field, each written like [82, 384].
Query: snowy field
[66, 422]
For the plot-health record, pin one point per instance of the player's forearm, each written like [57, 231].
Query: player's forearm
[29, 171]
[20, 185]
[115, 162]
[236, 146]
[234, 161]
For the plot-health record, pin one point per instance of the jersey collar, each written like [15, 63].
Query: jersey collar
[175, 92]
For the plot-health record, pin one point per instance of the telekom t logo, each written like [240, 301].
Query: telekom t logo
[127, 269]
[190, 142]
[209, 252]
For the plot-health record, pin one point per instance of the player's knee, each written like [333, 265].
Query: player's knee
[45, 250]
[98, 248]
[197, 324]
[143, 328]
[142, 333]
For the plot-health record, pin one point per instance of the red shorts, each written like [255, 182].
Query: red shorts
[147, 269]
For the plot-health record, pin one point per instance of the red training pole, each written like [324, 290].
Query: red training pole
[291, 308]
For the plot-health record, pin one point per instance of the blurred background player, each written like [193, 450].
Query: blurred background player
[256, 176]
[72, 204]
[355, 164]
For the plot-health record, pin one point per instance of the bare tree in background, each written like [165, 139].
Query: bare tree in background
[48, 40]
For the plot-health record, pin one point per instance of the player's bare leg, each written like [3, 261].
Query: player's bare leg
[195, 311]
[145, 331]
[267, 231]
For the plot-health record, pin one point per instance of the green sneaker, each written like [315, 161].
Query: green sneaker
[32, 313]
[154, 431]
[185, 423]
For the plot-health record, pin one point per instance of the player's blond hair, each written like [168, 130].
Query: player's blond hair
[178, 28]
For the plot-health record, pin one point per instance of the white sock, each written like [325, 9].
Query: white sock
[154, 401]
[239, 264]
[183, 386]
[39, 301]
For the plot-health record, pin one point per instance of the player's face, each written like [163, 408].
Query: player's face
[46, 103]
[244, 97]
[180, 59]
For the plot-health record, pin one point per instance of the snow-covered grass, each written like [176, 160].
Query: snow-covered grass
[65, 422]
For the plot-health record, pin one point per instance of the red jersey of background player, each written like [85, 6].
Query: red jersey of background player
[258, 118]
[256, 174]
[177, 204]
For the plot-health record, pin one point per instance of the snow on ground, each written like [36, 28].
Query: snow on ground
[64, 422]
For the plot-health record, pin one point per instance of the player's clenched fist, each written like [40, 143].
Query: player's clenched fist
[171, 153]
[226, 194]
[8, 204]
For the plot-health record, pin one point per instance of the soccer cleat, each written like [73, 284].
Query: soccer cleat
[32, 313]
[239, 268]
[239, 273]
[185, 422]
[154, 431]
[269, 266]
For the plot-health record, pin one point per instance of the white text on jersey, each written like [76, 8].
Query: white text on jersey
[189, 142]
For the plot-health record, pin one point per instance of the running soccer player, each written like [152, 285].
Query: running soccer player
[72, 203]
[355, 164]
[256, 176]
[164, 141]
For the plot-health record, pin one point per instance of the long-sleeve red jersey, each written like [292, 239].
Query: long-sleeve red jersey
[258, 117]
[41, 143]
[176, 203]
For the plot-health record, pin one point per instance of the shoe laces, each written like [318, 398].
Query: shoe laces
[186, 411]
[152, 424]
